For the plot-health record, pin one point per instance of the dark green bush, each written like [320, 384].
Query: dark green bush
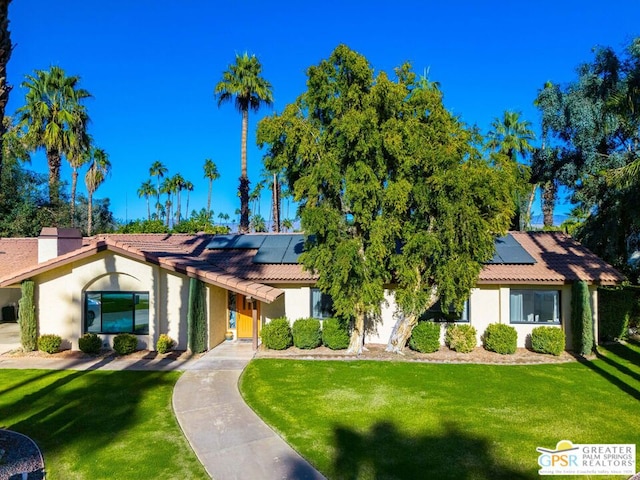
[49, 343]
[164, 343]
[335, 334]
[276, 334]
[425, 337]
[617, 310]
[90, 343]
[461, 338]
[125, 343]
[27, 317]
[306, 333]
[548, 340]
[197, 316]
[500, 338]
[581, 319]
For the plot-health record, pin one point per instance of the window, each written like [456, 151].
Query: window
[117, 312]
[534, 306]
[321, 304]
[437, 314]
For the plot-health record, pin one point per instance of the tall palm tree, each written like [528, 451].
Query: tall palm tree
[147, 190]
[211, 173]
[99, 168]
[188, 186]
[168, 188]
[54, 118]
[78, 156]
[157, 170]
[178, 185]
[5, 55]
[242, 82]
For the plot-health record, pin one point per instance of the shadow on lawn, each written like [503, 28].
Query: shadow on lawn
[386, 453]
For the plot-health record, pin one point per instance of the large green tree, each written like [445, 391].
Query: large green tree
[147, 190]
[54, 118]
[391, 191]
[99, 168]
[243, 83]
[5, 55]
[158, 170]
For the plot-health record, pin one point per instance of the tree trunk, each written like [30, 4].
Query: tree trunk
[89, 212]
[5, 55]
[401, 333]
[148, 209]
[209, 199]
[53, 159]
[244, 180]
[532, 196]
[356, 343]
[276, 204]
[549, 191]
[177, 220]
[74, 184]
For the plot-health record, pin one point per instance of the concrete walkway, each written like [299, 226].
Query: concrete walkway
[228, 437]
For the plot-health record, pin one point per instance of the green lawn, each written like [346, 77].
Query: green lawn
[99, 424]
[396, 420]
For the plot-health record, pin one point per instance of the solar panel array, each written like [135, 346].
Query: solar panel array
[510, 252]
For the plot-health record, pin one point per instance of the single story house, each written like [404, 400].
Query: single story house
[250, 279]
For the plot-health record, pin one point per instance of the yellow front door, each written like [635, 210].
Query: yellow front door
[244, 317]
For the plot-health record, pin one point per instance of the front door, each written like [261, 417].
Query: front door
[244, 317]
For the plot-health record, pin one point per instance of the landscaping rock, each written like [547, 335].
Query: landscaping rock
[20, 455]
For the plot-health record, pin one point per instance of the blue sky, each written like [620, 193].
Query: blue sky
[151, 66]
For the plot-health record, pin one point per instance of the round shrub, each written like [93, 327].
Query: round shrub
[90, 343]
[461, 338]
[335, 334]
[276, 334]
[425, 337]
[164, 343]
[49, 343]
[125, 343]
[548, 340]
[306, 333]
[500, 338]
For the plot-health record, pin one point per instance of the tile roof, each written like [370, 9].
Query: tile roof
[559, 259]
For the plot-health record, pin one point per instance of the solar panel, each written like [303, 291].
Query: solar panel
[248, 241]
[221, 241]
[510, 252]
[294, 250]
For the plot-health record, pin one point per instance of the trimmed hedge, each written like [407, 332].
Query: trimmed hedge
[27, 317]
[276, 334]
[164, 343]
[49, 343]
[125, 343]
[90, 343]
[581, 319]
[548, 340]
[461, 338]
[335, 334]
[617, 311]
[500, 338]
[306, 333]
[425, 337]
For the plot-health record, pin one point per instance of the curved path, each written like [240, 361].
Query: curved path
[230, 440]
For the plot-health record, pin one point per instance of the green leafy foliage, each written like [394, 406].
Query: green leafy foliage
[461, 338]
[548, 340]
[306, 333]
[125, 343]
[49, 343]
[90, 343]
[425, 337]
[197, 317]
[500, 338]
[581, 319]
[164, 343]
[276, 335]
[617, 309]
[27, 317]
[335, 333]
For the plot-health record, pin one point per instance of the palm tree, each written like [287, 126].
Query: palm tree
[157, 170]
[287, 224]
[5, 55]
[178, 185]
[54, 118]
[99, 168]
[167, 187]
[256, 195]
[211, 173]
[77, 157]
[242, 82]
[188, 186]
[147, 190]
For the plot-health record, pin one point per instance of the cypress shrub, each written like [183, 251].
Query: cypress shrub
[90, 343]
[548, 340]
[335, 334]
[27, 317]
[461, 338]
[49, 343]
[500, 338]
[125, 343]
[197, 317]
[581, 319]
[306, 333]
[164, 343]
[425, 337]
[276, 334]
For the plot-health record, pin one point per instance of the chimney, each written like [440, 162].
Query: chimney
[54, 242]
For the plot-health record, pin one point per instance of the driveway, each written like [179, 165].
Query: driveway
[9, 337]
